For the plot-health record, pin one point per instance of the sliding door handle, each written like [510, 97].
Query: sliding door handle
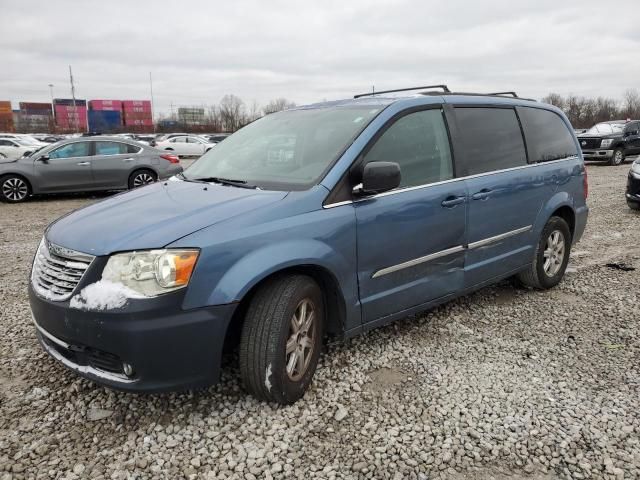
[482, 194]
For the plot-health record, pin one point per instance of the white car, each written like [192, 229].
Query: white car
[13, 148]
[27, 139]
[186, 145]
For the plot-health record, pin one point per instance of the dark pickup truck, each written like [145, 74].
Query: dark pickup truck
[611, 141]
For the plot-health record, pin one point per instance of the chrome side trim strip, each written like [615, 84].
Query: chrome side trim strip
[86, 369]
[451, 180]
[497, 238]
[417, 261]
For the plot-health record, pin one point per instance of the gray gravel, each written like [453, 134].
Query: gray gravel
[505, 382]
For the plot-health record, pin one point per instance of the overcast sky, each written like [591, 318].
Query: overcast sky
[308, 51]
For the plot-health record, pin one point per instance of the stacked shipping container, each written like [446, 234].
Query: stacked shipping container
[6, 117]
[105, 116]
[34, 117]
[137, 115]
[68, 117]
[191, 116]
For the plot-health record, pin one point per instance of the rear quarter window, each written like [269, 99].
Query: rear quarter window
[547, 135]
[492, 139]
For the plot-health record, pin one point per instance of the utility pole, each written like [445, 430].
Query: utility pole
[73, 97]
[152, 103]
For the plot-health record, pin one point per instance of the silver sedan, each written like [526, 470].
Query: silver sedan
[82, 165]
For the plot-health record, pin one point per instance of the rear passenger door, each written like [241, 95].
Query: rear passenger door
[504, 196]
[410, 240]
[112, 163]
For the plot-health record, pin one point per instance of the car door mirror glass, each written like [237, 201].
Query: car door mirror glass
[378, 177]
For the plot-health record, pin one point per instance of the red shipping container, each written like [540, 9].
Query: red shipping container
[136, 105]
[35, 106]
[110, 105]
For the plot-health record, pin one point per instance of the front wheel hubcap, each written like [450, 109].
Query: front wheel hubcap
[142, 179]
[554, 253]
[618, 157]
[15, 189]
[300, 344]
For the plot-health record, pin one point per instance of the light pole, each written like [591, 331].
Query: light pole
[53, 110]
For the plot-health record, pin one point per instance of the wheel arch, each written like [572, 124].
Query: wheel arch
[21, 175]
[335, 305]
[561, 204]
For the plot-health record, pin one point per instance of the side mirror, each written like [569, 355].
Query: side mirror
[378, 177]
[44, 159]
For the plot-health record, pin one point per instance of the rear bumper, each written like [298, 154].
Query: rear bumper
[597, 154]
[166, 347]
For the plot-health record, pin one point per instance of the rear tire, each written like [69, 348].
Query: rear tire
[281, 339]
[617, 157]
[14, 189]
[551, 256]
[142, 177]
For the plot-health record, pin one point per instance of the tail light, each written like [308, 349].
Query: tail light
[585, 183]
[171, 158]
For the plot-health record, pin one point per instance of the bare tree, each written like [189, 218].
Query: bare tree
[277, 105]
[232, 113]
[554, 99]
[254, 112]
[631, 103]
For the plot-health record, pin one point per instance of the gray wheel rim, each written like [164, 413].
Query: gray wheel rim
[15, 189]
[617, 157]
[300, 344]
[142, 179]
[554, 253]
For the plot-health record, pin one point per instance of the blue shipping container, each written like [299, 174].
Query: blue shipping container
[104, 121]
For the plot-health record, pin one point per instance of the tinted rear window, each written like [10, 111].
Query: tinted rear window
[492, 138]
[548, 137]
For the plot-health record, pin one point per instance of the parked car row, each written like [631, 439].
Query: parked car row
[81, 165]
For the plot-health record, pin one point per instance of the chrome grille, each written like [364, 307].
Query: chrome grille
[57, 271]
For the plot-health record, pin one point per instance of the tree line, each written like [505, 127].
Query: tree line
[231, 114]
[584, 112]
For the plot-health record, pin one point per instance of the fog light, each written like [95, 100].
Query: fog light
[128, 369]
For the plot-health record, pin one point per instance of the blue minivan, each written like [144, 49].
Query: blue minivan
[320, 221]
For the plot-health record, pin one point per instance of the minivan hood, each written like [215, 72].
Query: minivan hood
[154, 216]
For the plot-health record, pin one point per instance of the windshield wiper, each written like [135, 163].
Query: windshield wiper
[223, 181]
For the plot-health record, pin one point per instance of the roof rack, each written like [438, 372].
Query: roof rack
[444, 88]
[501, 94]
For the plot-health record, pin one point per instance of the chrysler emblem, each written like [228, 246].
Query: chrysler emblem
[584, 144]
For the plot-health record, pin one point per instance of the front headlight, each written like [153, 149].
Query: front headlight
[635, 167]
[606, 142]
[153, 272]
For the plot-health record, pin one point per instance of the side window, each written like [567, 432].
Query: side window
[548, 137]
[70, 150]
[419, 143]
[110, 148]
[178, 140]
[6, 143]
[133, 149]
[632, 128]
[193, 140]
[492, 138]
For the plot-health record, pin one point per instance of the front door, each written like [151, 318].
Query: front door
[632, 138]
[411, 240]
[67, 168]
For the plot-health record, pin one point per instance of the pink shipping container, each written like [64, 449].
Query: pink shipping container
[136, 105]
[110, 105]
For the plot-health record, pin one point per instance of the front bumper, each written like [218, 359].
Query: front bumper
[633, 188]
[167, 348]
[597, 154]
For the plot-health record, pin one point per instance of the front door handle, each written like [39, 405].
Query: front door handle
[128, 159]
[452, 201]
[482, 194]
[84, 164]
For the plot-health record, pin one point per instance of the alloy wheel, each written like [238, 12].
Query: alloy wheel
[301, 342]
[142, 179]
[618, 157]
[554, 253]
[15, 189]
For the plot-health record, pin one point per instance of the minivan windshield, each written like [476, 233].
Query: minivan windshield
[288, 150]
[606, 128]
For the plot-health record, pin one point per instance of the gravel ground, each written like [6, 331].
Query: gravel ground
[504, 383]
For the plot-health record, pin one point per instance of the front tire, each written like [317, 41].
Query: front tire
[281, 339]
[140, 178]
[551, 256]
[634, 205]
[617, 158]
[14, 189]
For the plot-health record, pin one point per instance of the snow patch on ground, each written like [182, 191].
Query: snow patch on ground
[267, 380]
[103, 295]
